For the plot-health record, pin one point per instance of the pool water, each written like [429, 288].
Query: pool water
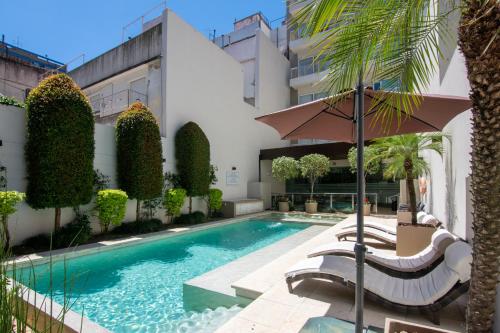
[138, 288]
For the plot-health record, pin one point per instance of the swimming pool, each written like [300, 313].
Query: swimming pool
[138, 288]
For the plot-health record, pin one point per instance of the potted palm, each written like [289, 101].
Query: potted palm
[283, 169]
[371, 163]
[312, 167]
[400, 154]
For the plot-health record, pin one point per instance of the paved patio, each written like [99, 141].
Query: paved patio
[276, 310]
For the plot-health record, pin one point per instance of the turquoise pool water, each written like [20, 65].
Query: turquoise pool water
[138, 288]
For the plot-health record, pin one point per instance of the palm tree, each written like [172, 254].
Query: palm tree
[398, 40]
[402, 161]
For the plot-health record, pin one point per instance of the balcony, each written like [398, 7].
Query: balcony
[295, 5]
[116, 103]
[308, 74]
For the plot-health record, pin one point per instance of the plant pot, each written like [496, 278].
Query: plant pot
[411, 239]
[394, 325]
[311, 207]
[367, 209]
[283, 206]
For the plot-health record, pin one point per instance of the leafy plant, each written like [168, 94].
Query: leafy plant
[213, 174]
[101, 181]
[111, 207]
[139, 154]
[3, 177]
[138, 227]
[284, 168]
[401, 156]
[173, 201]
[8, 202]
[214, 201]
[11, 101]
[59, 147]
[192, 218]
[312, 167]
[192, 152]
[76, 232]
[172, 180]
[150, 207]
[372, 160]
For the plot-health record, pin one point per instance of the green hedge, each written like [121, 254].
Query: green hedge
[139, 154]
[192, 152]
[111, 206]
[173, 201]
[60, 146]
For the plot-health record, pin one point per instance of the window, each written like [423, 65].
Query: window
[306, 98]
[306, 66]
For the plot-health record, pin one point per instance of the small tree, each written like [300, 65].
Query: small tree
[59, 147]
[401, 153]
[173, 201]
[8, 202]
[284, 168]
[139, 154]
[214, 200]
[192, 152]
[372, 160]
[312, 167]
[111, 206]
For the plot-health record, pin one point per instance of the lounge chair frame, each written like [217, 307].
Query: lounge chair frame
[430, 311]
[343, 236]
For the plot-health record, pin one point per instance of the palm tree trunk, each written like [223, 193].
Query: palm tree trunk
[479, 42]
[57, 219]
[411, 190]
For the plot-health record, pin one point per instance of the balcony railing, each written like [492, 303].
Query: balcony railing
[117, 102]
[304, 70]
[345, 202]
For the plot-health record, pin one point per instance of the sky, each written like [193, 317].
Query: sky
[65, 29]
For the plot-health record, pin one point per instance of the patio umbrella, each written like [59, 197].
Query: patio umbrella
[340, 120]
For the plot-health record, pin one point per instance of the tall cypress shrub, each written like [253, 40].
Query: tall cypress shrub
[59, 147]
[139, 154]
[192, 152]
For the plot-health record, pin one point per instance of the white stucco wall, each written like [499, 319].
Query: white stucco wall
[28, 222]
[204, 84]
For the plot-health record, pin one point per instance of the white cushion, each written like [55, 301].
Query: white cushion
[420, 216]
[458, 257]
[441, 238]
[429, 219]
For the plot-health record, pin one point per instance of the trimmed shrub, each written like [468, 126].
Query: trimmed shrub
[214, 200]
[139, 227]
[139, 154]
[8, 202]
[284, 168]
[193, 218]
[174, 200]
[111, 206]
[60, 146]
[192, 152]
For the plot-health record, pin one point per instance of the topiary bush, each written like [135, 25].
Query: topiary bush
[214, 200]
[139, 154]
[312, 167]
[192, 152]
[8, 202]
[111, 207]
[59, 146]
[173, 201]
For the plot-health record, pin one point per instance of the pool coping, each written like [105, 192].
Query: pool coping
[75, 322]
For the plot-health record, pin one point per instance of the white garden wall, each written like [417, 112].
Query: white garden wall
[28, 222]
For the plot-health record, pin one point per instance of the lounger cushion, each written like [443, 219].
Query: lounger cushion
[458, 257]
[429, 219]
[369, 232]
[420, 216]
[416, 292]
[441, 238]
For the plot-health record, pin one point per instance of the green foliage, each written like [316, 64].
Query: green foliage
[149, 207]
[192, 152]
[372, 160]
[312, 167]
[213, 174]
[139, 227]
[193, 218]
[60, 145]
[8, 202]
[74, 233]
[111, 207]
[173, 201]
[11, 101]
[101, 181]
[172, 180]
[214, 200]
[284, 168]
[139, 153]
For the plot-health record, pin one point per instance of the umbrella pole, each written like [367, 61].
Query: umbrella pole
[360, 248]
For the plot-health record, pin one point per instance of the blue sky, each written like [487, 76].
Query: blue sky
[64, 29]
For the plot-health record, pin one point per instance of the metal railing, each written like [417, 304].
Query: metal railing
[315, 67]
[330, 200]
[32, 58]
[117, 102]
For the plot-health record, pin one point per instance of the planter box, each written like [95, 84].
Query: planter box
[367, 209]
[242, 207]
[397, 326]
[404, 217]
[311, 207]
[411, 239]
[283, 206]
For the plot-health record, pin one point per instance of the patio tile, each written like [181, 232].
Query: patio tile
[267, 313]
[241, 325]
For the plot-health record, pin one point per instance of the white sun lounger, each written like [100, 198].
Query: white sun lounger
[415, 265]
[427, 294]
[377, 234]
[374, 225]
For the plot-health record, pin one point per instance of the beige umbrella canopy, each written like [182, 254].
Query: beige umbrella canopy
[326, 120]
